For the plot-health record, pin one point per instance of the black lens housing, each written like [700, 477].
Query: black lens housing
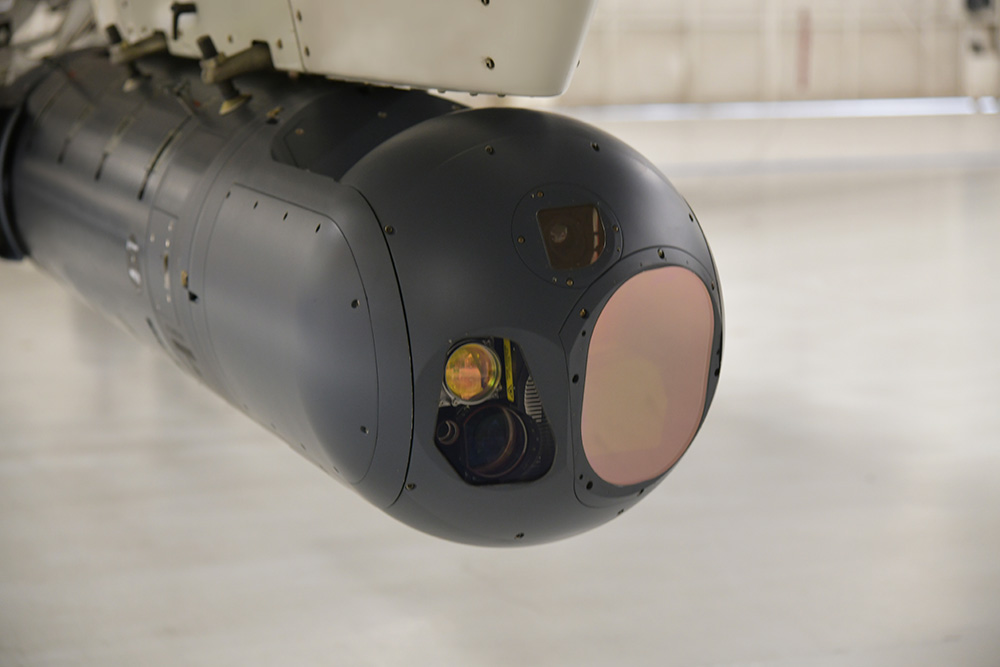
[504, 439]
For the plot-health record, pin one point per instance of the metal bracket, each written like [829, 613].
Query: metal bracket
[219, 69]
[223, 67]
[124, 53]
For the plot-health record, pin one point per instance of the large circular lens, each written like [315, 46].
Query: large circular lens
[496, 441]
[472, 373]
[647, 375]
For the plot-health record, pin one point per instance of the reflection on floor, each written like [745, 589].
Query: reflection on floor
[840, 506]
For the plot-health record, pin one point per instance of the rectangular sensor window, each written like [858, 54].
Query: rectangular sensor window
[573, 236]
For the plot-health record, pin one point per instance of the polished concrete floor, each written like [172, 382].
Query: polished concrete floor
[841, 505]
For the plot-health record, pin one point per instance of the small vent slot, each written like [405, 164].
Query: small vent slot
[533, 402]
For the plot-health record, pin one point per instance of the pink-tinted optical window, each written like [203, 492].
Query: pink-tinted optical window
[647, 374]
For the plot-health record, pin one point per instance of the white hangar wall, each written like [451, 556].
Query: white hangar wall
[641, 51]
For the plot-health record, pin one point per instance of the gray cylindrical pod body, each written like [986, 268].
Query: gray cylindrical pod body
[269, 283]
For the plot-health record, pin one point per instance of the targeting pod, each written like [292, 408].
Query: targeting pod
[499, 326]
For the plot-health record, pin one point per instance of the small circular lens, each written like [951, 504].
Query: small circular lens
[570, 249]
[497, 442]
[447, 432]
[559, 233]
[472, 373]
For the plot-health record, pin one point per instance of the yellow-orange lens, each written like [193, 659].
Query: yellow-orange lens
[472, 372]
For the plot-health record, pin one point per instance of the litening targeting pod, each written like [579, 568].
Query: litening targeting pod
[499, 326]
